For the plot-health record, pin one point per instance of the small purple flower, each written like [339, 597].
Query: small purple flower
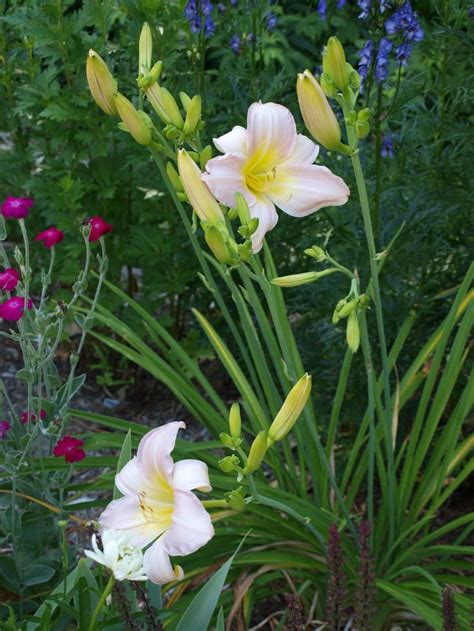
[190, 10]
[4, 429]
[322, 9]
[340, 4]
[271, 21]
[366, 56]
[403, 53]
[381, 66]
[383, 5]
[235, 44]
[364, 6]
[250, 38]
[405, 21]
[16, 207]
[221, 7]
[387, 149]
[234, 3]
[206, 7]
[209, 27]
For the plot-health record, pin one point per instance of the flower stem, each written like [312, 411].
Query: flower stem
[47, 278]
[101, 603]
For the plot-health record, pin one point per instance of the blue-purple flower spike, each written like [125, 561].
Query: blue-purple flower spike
[387, 150]
[364, 6]
[235, 44]
[381, 67]
[365, 56]
[322, 9]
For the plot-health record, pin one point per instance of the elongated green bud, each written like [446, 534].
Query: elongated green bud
[257, 452]
[290, 410]
[235, 421]
[200, 197]
[236, 499]
[133, 120]
[205, 156]
[155, 72]
[185, 100]
[101, 83]
[218, 244]
[316, 253]
[174, 178]
[353, 332]
[242, 208]
[229, 464]
[171, 108]
[317, 114]
[347, 308]
[145, 48]
[334, 63]
[153, 94]
[193, 116]
[294, 280]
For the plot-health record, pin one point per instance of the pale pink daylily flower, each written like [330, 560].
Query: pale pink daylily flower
[158, 505]
[272, 165]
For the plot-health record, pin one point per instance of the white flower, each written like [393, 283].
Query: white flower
[272, 165]
[123, 559]
[158, 505]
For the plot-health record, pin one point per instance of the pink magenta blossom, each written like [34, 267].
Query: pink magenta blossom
[50, 237]
[13, 308]
[158, 506]
[9, 279]
[272, 165]
[4, 428]
[99, 227]
[70, 448]
[16, 207]
[25, 417]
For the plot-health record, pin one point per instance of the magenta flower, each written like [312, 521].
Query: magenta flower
[25, 417]
[16, 207]
[12, 309]
[9, 279]
[50, 237]
[4, 428]
[99, 227]
[70, 448]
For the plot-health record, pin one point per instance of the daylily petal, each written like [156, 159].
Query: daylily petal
[234, 141]
[154, 456]
[131, 481]
[191, 527]
[126, 513]
[264, 211]
[157, 565]
[225, 177]
[306, 151]
[191, 474]
[301, 189]
[271, 134]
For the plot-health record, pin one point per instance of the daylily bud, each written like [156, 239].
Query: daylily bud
[236, 499]
[290, 410]
[354, 77]
[353, 332]
[257, 452]
[294, 280]
[101, 83]
[171, 108]
[317, 113]
[347, 308]
[242, 208]
[185, 100]
[219, 244]
[174, 177]
[316, 253]
[226, 440]
[133, 120]
[229, 464]
[193, 116]
[155, 72]
[334, 63]
[145, 48]
[362, 129]
[235, 421]
[153, 94]
[339, 306]
[205, 156]
[328, 86]
[201, 198]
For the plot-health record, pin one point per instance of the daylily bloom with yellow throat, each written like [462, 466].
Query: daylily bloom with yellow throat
[158, 505]
[272, 165]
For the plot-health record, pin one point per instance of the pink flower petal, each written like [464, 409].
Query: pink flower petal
[271, 132]
[234, 141]
[225, 177]
[126, 514]
[154, 453]
[302, 189]
[306, 151]
[157, 564]
[191, 474]
[191, 526]
[264, 211]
